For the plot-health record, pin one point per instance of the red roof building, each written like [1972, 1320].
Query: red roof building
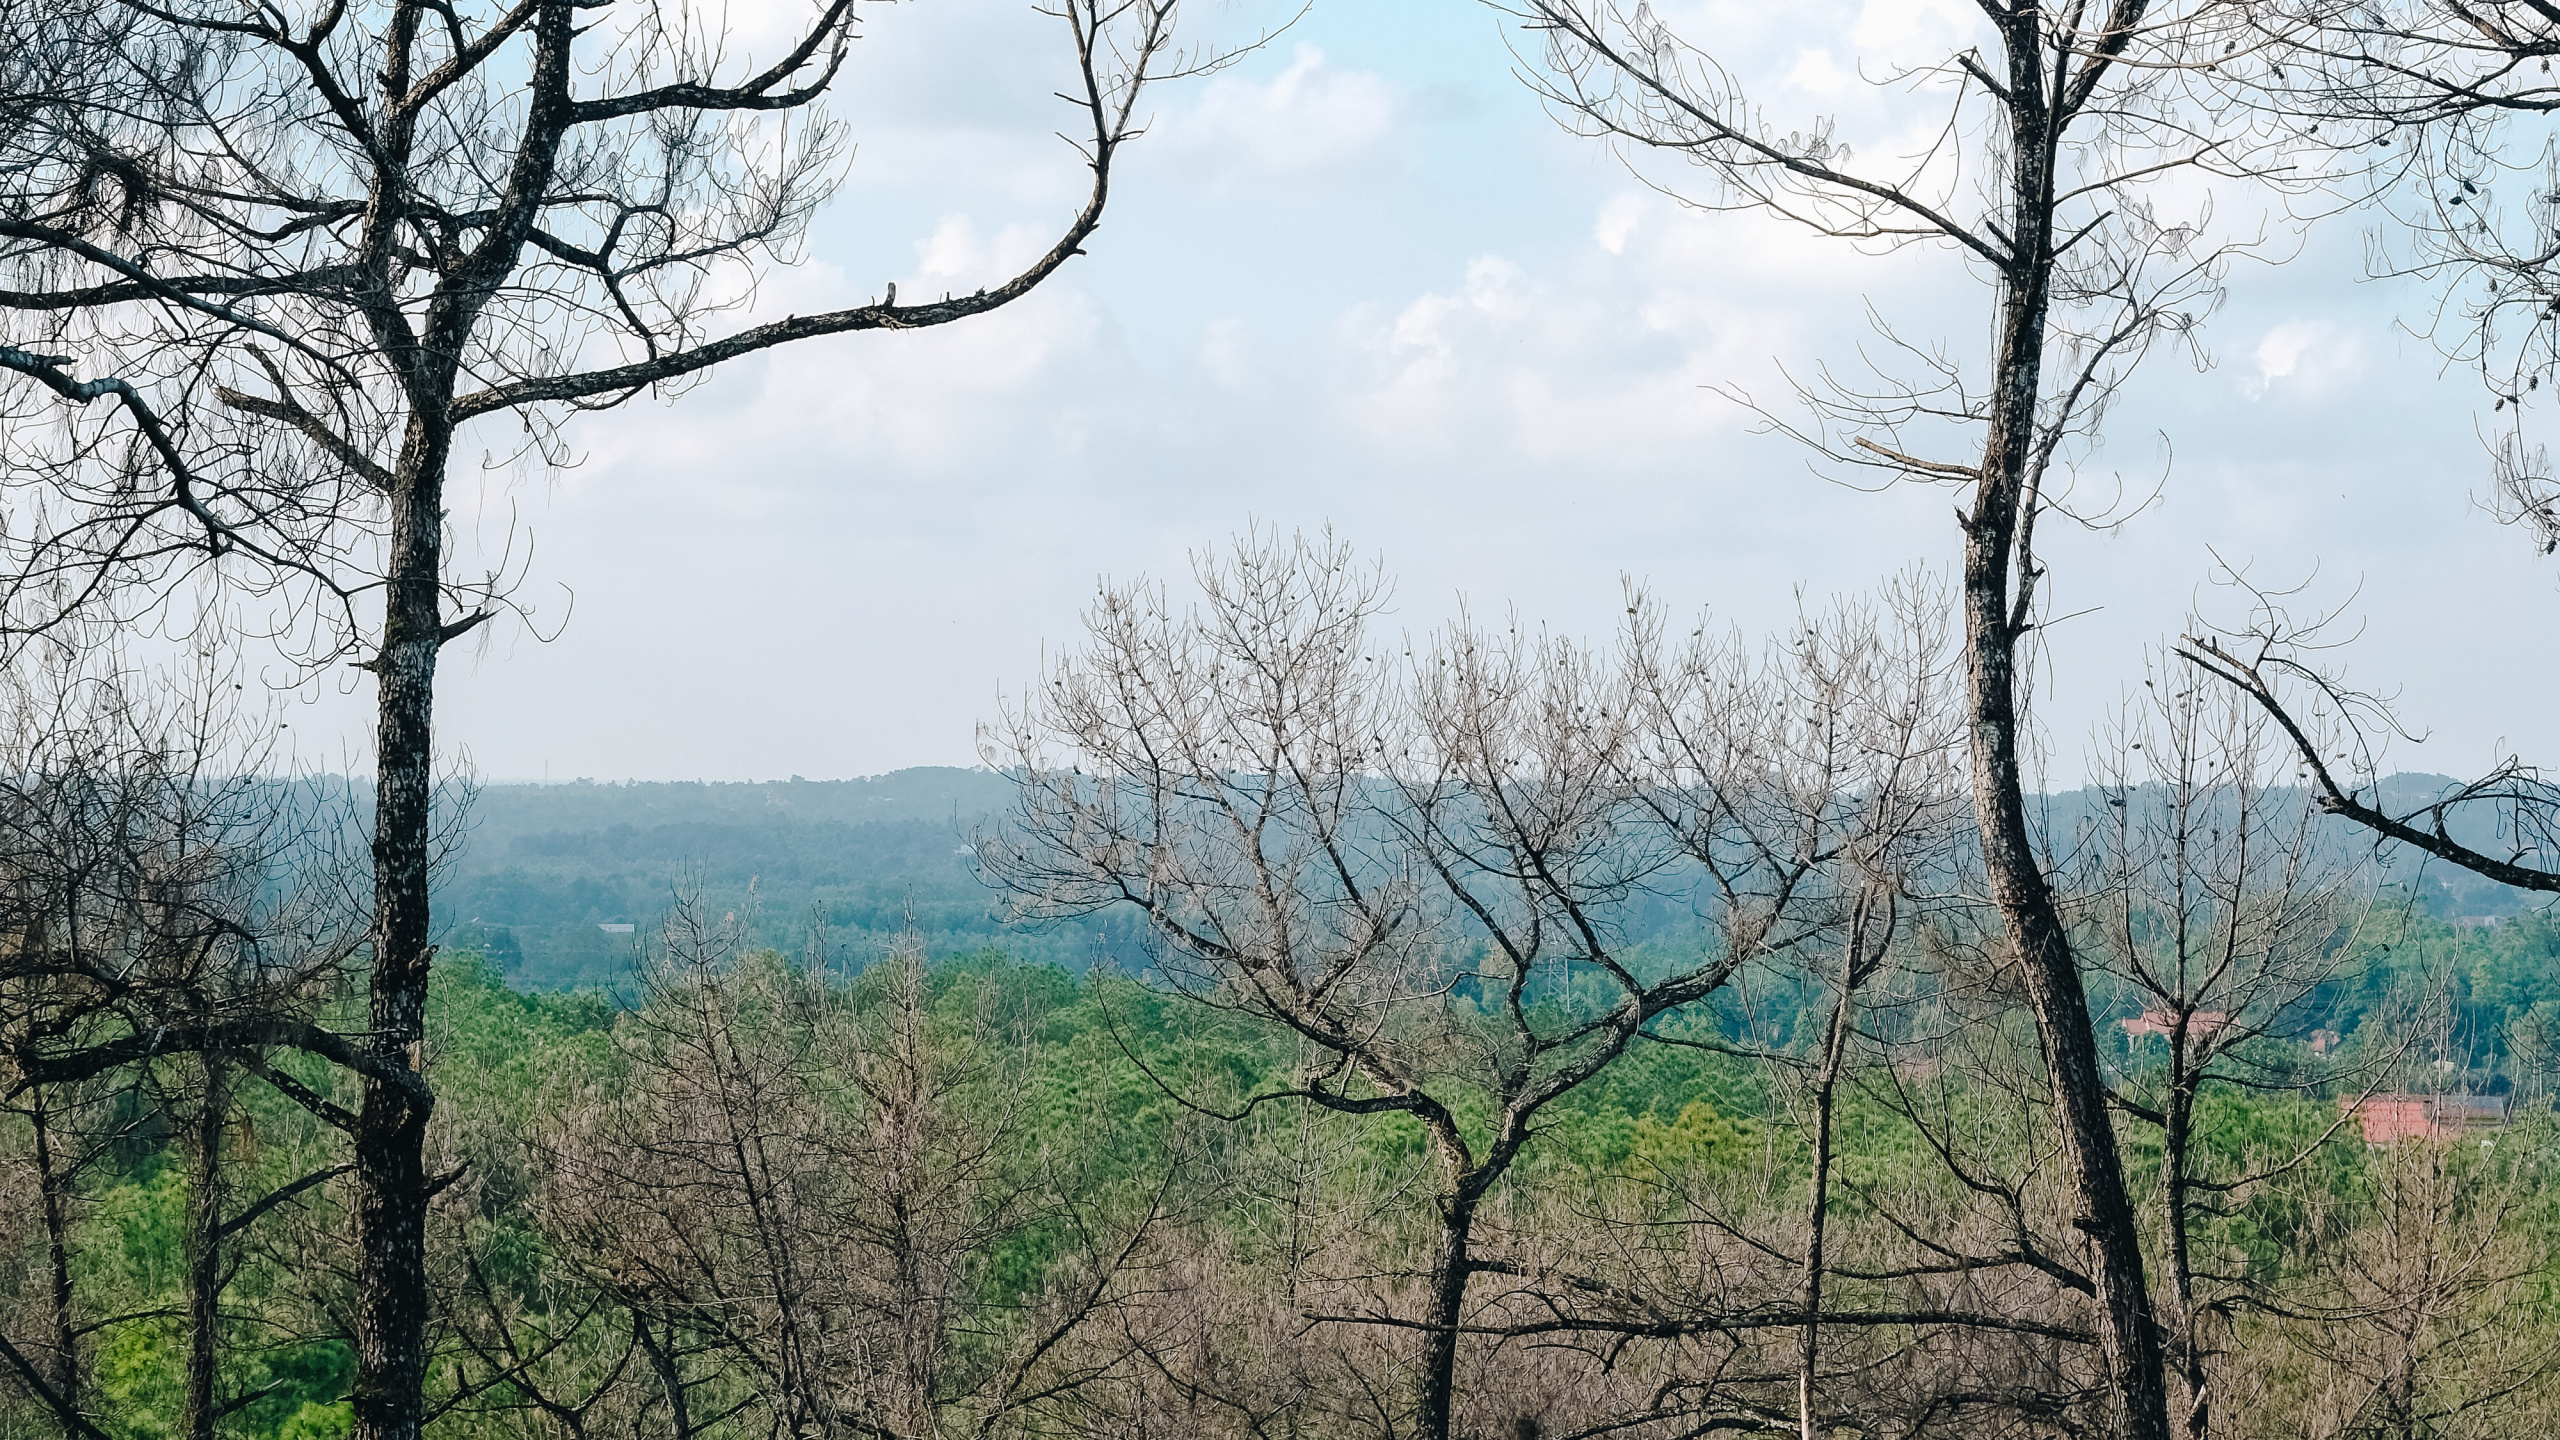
[2390, 1118]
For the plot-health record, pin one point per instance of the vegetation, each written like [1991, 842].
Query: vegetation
[860, 860]
[1050, 1142]
[1520, 1037]
[1619, 1044]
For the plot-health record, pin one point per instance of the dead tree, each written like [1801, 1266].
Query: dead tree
[2042, 181]
[2203, 890]
[68, 1130]
[271, 270]
[2337, 733]
[172, 920]
[1828, 765]
[785, 1198]
[2413, 1320]
[1415, 860]
[2437, 116]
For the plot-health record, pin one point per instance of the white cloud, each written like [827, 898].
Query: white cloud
[1494, 294]
[1618, 221]
[1309, 120]
[2305, 360]
[1895, 32]
[1817, 74]
[1462, 338]
[956, 254]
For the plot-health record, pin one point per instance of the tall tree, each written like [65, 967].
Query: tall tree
[2057, 137]
[271, 265]
[2202, 891]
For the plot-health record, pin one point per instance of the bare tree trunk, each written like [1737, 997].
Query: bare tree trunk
[2130, 1346]
[390, 1140]
[2176, 1138]
[1450, 1265]
[1999, 536]
[662, 1363]
[204, 1254]
[1826, 1080]
[53, 1186]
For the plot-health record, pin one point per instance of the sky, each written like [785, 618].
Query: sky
[1361, 279]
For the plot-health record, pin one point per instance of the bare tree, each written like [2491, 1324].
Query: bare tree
[65, 1134]
[2444, 112]
[297, 255]
[2339, 732]
[1827, 765]
[173, 918]
[2043, 179]
[1417, 861]
[789, 1193]
[2440, 115]
[2204, 892]
[1249, 777]
[2413, 1324]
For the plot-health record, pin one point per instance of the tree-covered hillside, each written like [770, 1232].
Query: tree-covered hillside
[541, 868]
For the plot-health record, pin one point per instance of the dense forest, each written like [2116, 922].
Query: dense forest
[1015, 1157]
[855, 864]
[850, 863]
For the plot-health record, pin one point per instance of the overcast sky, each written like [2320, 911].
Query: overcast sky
[1362, 280]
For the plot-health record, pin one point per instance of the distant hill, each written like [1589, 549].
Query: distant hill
[542, 869]
[2447, 890]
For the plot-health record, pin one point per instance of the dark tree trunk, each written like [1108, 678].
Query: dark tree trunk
[204, 1255]
[54, 1187]
[390, 1140]
[1998, 536]
[2177, 1138]
[2046, 961]
[670, 1376]
[1450, 1265]
[1826, 1081]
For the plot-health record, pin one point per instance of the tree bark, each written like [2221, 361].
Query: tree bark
[1450, 1265]
[204, 1255]
[1998, 539]
[390, 1139]
[53, 1188]
[2177, 1138]
[1826, 1080]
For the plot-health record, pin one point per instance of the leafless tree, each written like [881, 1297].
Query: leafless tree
[1827, 765]
[2442, 112]
[1416, 859]
[2339, 733]
[271, 267]
[173, 918]
[2445, 110]
[2413, 1323]
[789, 1192]
[1299, 835]
[2046, 180]
[2204, 891]
[65, 1135]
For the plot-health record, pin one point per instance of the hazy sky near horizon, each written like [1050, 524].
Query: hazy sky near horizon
[1362, 280]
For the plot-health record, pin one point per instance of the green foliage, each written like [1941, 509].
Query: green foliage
[1112, 1077]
